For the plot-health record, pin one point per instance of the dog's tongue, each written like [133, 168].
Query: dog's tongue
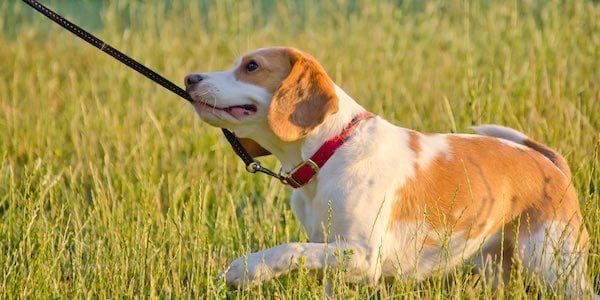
[242, 110]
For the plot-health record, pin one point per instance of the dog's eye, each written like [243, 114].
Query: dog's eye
[251, 66]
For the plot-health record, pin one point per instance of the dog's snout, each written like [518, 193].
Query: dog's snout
[193, 79]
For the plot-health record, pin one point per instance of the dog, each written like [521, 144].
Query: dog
[398, 203]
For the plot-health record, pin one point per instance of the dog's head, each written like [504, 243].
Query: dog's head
[280, 91]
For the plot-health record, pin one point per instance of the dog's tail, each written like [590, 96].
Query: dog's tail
[520, 138]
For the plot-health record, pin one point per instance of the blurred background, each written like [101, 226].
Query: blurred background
[110, 185]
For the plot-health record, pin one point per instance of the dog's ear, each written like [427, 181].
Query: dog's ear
[253, 148]
[304, 99]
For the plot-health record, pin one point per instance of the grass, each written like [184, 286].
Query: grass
[111, 186]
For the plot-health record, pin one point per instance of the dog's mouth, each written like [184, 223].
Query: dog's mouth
[236, 111]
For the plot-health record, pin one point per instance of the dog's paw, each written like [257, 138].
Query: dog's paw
[245, 272]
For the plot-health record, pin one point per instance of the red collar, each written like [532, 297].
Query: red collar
[306, 171]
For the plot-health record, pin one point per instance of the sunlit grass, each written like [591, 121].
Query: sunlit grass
[110, 186]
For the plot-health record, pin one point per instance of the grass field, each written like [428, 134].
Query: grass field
[110, 186]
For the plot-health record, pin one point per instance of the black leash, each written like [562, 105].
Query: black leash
[98, 43]
[252, 165]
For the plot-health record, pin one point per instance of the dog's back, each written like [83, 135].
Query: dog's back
[518, 137]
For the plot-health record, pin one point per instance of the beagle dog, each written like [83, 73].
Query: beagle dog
[395, 202]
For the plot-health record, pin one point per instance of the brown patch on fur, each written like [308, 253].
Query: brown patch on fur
[274, 65]
[481, 183]
[303, 100]
[414, 142]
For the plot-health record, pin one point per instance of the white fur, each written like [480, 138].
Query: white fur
[547, 251]
[432, 146]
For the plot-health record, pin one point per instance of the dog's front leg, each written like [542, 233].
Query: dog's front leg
[263, 265]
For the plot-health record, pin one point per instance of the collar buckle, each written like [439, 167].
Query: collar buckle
[287, 177]
[310, 163]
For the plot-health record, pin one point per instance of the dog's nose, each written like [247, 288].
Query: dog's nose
[192, 79]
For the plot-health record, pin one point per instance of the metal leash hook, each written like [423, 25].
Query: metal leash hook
[148, 73]
[252, 165]
[255, 166]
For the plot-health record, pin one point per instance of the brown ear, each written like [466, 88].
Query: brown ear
[253, 148]
[304, 99]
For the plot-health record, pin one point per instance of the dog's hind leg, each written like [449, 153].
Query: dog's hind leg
[556, 252]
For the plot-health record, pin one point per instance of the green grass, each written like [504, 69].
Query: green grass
[110, 186]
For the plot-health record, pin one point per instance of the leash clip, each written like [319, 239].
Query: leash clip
[255, 166]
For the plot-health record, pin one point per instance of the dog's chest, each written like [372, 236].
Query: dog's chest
[311, 214]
